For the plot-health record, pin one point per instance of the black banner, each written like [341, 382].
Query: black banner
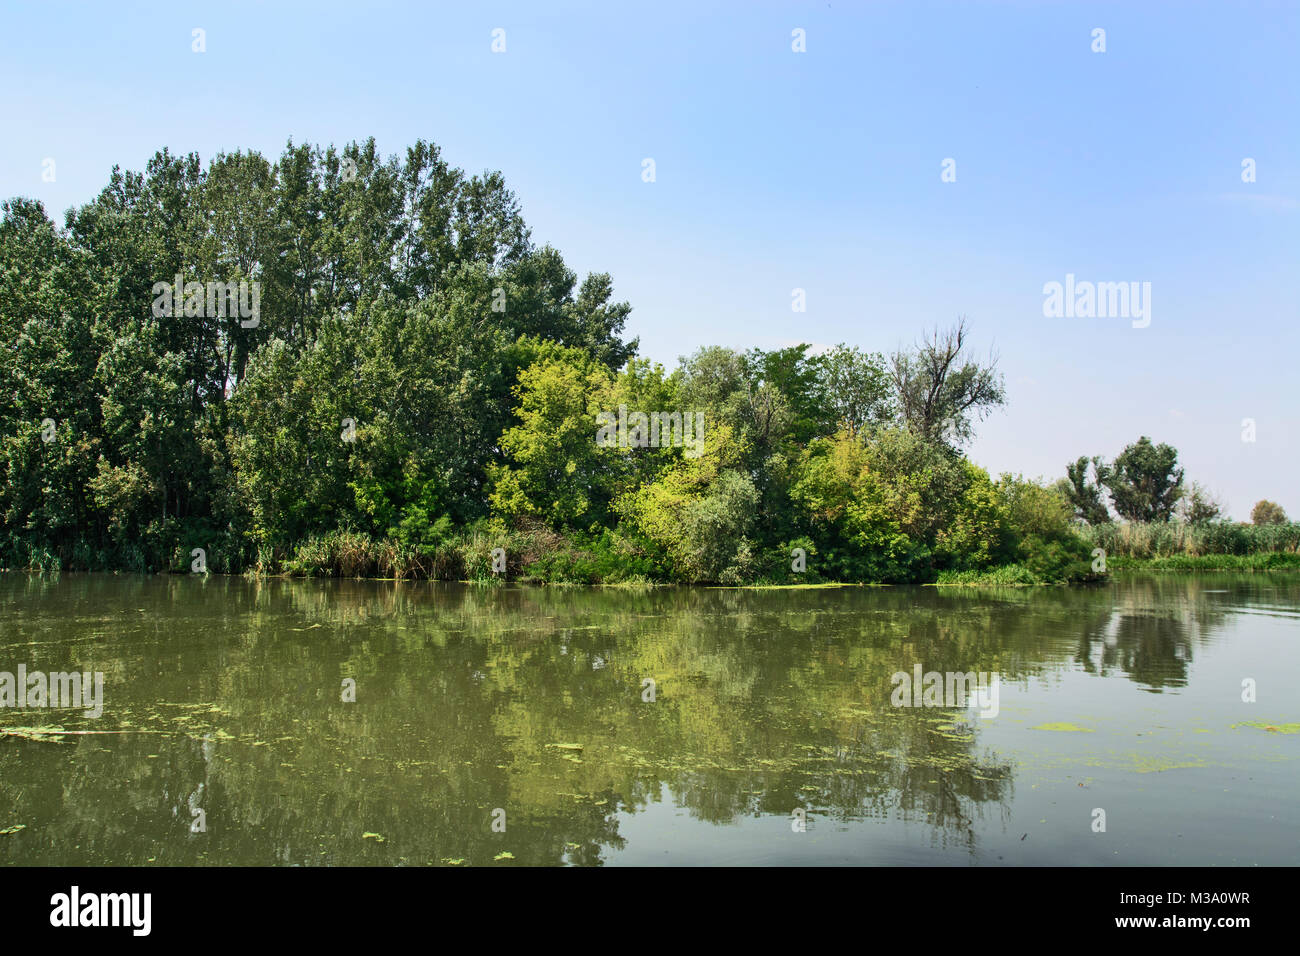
[339, 905]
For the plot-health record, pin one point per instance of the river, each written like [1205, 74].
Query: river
[514, 725]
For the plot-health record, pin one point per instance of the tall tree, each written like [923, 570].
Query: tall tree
[854, 389]
[1145, 481]
[940, 392]
[1267, 512]
[1088, 498]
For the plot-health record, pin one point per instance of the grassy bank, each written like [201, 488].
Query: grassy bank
[1270, 561]
[1009, 575]
[542, 556]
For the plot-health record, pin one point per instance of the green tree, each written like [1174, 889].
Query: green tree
[1042, 539]
[699, 511]
[1087, 498]
[979, 534]
[782, 388]
[879, 508]
[554, 469]
[1145, 481]
[1267, 512]
[854, 389]
[1199, 506]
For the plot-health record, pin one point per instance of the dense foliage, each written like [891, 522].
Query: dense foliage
[1267, 512]
[422, 385]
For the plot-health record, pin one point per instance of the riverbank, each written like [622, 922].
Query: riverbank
[1005, 577]
[484, 554]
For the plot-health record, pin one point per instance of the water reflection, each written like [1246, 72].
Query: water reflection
[224, 696]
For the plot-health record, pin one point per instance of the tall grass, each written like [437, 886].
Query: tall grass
[1007, 575]
[1172, 538]
[1260, 561]
[350, 554]
[534, 554]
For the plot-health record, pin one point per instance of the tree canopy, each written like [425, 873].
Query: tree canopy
[417, 384]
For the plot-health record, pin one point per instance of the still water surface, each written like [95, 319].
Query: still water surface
[224, 695]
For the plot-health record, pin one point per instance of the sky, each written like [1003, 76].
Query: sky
[776, 170]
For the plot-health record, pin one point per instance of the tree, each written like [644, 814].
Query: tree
[854, 389]
[1199, 506]
[1267, 512]
[1145, 481]
[940, 394]
[391, 292]
[699, 511]
[732, 390]
[879, 508]
[784, 381]
[554, 469]
[980, 532]
[1087, 498]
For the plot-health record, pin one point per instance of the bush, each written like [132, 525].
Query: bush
[1007, 575]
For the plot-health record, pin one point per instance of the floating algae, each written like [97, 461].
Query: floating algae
[1143, 764]
[1271, 728]
[952, 732]
[1064, 728]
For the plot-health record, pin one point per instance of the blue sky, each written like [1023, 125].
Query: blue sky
[778, 170]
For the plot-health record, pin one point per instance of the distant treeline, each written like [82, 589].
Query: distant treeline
[405, 383]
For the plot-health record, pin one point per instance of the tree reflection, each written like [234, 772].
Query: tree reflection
[530, 700]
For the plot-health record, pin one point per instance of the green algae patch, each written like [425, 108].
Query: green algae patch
[1064, 728]
[951, 732]
[800, 587]
[1271, 728]
[1144, 764]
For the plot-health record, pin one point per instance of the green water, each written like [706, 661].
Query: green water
[225, 696]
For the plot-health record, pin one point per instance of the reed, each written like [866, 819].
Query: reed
[1171, 538]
